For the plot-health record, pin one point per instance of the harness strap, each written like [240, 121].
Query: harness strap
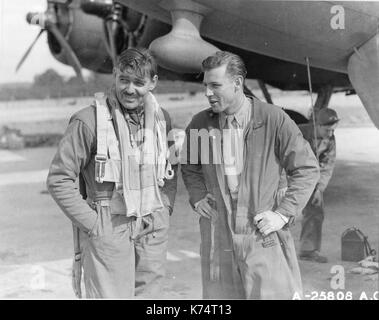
[102, 113]
[77, 263]
[112, 142]
[108, 158]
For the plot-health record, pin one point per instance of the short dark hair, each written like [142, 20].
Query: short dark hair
[138, 60]
[235, 65]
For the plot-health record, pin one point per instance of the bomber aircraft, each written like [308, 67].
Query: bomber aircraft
[320, 46]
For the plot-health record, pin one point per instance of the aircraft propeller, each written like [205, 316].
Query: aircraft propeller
[113, 25]
[122, 26]
[122, 22]
[48, 22]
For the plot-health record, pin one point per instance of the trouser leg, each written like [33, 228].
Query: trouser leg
[229, 285]
[268, 267]
[151, 253]
[311, 231]
[108, 258]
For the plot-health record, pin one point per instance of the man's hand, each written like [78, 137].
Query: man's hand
[317, 198]
[205, 209]
[268, 221]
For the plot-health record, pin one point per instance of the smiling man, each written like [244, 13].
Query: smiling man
[118, 148]
[247, 250]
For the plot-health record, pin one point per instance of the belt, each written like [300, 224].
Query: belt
[101, 202]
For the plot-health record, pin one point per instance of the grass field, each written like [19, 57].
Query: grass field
[52, 115]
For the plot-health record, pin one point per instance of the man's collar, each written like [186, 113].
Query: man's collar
[240, 115]
[134, 115]
[138, 110]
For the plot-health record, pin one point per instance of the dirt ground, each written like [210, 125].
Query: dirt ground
[36, 239]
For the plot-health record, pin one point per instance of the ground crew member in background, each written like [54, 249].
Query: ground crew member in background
[324, 147]
[129, 185]
[247, 250]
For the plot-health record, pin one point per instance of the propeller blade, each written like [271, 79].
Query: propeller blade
[112, 28]
[70, 54]
[28, 51]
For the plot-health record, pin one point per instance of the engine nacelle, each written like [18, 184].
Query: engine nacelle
[82, 24]
[85, 34]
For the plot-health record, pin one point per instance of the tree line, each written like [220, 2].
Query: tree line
[50, 84]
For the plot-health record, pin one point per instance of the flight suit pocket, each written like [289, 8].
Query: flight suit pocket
[254, 147]
[109, 224]
[161, 219]
[117, 204]
[113, 171]
[161, 223]
[155, 227]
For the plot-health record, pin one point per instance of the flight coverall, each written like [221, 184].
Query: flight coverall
[114, 265]
[248, 265]
[313, 215]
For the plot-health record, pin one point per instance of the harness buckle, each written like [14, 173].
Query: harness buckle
[169, 172]
[100, 160]
[78, 256]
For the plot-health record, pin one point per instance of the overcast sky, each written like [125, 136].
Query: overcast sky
[15, 37]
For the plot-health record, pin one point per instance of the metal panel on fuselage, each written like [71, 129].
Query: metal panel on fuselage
[287, 30]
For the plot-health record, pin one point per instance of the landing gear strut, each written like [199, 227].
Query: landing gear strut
[247, 91]
[265, 92]
[323, 97]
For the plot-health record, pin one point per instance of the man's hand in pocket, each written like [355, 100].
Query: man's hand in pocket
[204, 208]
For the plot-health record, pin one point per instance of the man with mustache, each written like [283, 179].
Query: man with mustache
[247, 250]
[118, 147]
